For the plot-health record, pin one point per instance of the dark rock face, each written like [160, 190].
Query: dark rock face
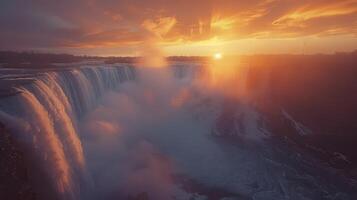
[14, 179]
[318, 91]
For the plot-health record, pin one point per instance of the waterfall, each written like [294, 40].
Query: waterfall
[42, 112]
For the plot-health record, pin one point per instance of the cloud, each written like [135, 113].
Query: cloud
[319, 18]
[160, 27]
[115, 24]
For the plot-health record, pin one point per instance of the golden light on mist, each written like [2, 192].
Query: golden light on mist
[226, 76]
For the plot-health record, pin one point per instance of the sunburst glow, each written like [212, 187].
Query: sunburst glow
[217, 56]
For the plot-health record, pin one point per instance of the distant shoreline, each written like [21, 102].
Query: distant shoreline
[27, 59]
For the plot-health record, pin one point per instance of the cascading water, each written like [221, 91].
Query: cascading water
[44, 113]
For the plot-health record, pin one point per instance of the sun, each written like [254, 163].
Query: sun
[217, 56]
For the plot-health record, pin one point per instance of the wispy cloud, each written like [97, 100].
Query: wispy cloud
[94, 23]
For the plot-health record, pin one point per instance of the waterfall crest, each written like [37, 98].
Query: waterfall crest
[45, 106]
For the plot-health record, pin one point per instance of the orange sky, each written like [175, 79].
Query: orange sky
[181, 27]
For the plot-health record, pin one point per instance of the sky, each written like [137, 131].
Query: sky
[181, 27]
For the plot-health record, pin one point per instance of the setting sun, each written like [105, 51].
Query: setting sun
[217, 56]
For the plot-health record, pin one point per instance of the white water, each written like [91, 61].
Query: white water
[43, 116]
[91, 133]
